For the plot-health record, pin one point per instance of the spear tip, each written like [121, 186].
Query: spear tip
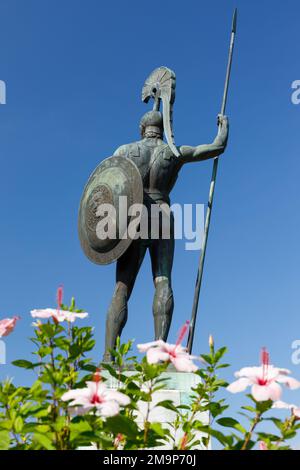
[233, 29]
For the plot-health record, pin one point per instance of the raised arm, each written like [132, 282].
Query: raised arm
[205, 151]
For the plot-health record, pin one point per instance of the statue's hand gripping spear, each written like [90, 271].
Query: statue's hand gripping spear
[210, 197]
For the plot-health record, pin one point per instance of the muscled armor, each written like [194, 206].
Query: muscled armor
[157, 165]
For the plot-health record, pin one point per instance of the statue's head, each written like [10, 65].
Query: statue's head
[151, 124]
[160, 86]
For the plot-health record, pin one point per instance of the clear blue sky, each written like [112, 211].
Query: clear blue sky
[74, 72]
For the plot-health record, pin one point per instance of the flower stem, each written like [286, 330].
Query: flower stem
[146, 420]
[251, 430]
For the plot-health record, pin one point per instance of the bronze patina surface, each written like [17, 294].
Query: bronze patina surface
[158, 164]
[114, 177]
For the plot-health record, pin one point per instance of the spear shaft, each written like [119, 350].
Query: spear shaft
[210, 197]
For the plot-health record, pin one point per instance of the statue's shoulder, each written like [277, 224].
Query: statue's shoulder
[127, 149]
[165, 151]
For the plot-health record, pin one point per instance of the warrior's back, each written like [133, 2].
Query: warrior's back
[156, 163]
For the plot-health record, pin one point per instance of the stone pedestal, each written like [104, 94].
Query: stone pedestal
[178, 388]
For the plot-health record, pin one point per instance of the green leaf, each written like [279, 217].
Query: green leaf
[263, 406]
[49, 329]
[79, 428]
[219, 354]
[289, 434]
[4, 440]
[62, 342]
[222, 366]
[207, 358]
[44, 351]
[240, 443]
[113, 372]
[124, 425]
[268, 437]
[225, 440]
[278, 423]
[89, 344]
[159, 387]
[43, 440]
[216, 408]
[87, 367]
[205, 441]
[159, 430]
[18, 424]
[231, 423]
[133, 388]
[25, 364]
[6, 424]
[75, 350]
[249, 408]
[35, 427]
[152, 371]
[125, 348]
[168, 404]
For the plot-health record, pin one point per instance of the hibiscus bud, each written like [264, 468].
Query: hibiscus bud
[7, 325]
[118, 439]
[211, 341]
[262, 445]
[37, 325]
[296, 414]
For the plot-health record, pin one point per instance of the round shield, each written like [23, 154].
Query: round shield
[113, 187]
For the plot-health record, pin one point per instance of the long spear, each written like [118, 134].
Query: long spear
[210, 197]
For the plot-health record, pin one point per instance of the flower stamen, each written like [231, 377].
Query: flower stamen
[265, 361]
[182, 333]
[59, 298]
[96, 378]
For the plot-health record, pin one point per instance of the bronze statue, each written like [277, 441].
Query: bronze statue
[158, 165]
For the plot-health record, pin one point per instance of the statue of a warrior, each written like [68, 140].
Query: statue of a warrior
[144, 171]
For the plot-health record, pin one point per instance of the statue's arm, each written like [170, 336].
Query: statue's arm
[203, 152]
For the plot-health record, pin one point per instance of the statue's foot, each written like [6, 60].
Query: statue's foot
[107, 357]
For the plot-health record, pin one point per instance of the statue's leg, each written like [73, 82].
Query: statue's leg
[162, 252]
[127, 269]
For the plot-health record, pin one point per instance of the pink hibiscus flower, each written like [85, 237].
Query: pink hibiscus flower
[160, 351]
[264, 380]
[7, 325]
[288, 406]
[96, 395]
[57, 314]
